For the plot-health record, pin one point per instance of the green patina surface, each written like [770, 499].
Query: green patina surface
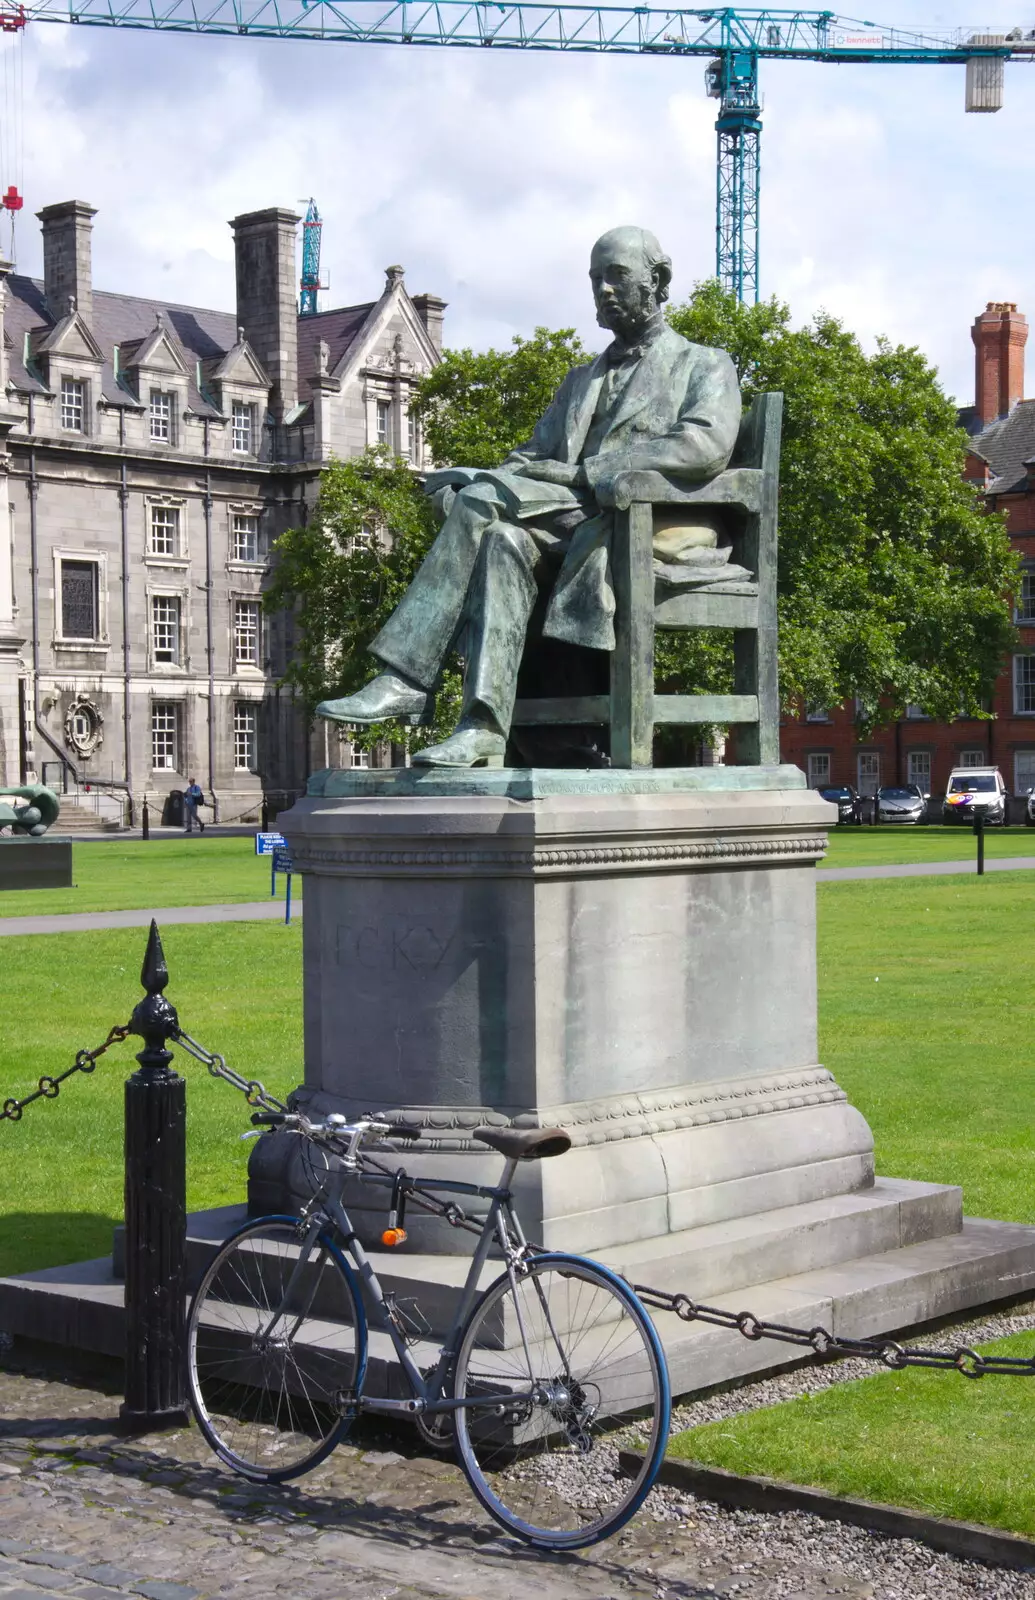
[540, 783]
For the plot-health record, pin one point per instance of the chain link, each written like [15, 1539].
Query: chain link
[49, 1088]
[254, 1092]
[970, 1363]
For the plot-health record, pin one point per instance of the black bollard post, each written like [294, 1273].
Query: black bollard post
[156, 1212]
[265, 822]
[979, 829]
[145, 820]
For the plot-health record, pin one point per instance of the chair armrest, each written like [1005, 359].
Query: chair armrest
[737, 486]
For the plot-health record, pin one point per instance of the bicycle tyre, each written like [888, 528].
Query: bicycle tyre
[546, 1469]
[272, 1408]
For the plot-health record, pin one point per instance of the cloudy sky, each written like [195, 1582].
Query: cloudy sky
[488, 175]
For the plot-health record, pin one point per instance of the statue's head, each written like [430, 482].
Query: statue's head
[630, 274]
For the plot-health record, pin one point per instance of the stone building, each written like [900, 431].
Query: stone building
[150, 454]
[915, 749]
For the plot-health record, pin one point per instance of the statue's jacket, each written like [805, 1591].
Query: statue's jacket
[678, 414]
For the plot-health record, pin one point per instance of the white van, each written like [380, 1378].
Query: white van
[974, 789]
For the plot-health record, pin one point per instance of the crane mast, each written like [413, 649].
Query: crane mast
[735, 41]
[312, 228]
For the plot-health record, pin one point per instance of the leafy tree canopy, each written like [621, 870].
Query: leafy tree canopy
[892, 579]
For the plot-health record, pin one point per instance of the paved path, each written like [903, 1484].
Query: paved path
[923, 869]
[84, 921]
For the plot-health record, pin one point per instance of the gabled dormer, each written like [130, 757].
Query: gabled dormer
[241, 386]
[156, 373]
[71, 364]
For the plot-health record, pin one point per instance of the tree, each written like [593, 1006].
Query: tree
[893, 581]
[474, 409]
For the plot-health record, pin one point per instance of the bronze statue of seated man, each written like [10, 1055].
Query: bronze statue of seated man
[652, 401]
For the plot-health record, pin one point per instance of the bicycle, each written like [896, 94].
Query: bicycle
[533, 1378]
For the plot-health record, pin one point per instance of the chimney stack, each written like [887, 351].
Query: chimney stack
[999, 334]
[431, 311]
[267, 297]
[66, 257]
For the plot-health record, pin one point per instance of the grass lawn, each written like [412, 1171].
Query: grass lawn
[131, 875]
[894, 845]
[237, 989]
[931, 1441]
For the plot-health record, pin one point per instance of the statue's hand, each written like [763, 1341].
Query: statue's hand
[37, 816]
[560, 472]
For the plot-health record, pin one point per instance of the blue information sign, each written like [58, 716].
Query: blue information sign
[266, 843]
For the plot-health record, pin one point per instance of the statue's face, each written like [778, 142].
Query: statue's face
[625, 288]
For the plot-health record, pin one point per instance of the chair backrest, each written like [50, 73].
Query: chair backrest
[758, 442]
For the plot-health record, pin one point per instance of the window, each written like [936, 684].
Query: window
[868, 768]
[384, 422]
[165, 530]
[414, 440]
[819, 770]
[358, 757]
[916, 714]
[73, 404]
[1024, 609]
[79, 600]
[1023, 683]
[242, 427]
[918, 769]
[1023, 771]
[246, 633]
[165, 628]
[161, 416]
[973, 758]
[245, 722]
[244, 535]
[817, 714]
[165, 736]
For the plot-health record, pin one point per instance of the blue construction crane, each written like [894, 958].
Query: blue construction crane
[733, 40]
[312, 227]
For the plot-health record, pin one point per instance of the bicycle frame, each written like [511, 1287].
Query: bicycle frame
[500, 1225]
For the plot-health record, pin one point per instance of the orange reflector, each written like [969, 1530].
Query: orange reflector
[393, 1236]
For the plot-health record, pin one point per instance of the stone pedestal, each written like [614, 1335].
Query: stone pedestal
[628, 955]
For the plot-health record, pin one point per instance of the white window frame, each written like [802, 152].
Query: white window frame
[817, 714]
[241, 514]
[165, 527]
[242, 427]
[162, 417]
[156, 600]
[1024, 685]
[414, 439]
[924, 759]
[1024, 604]
[246, 735]
[916, 714]
[1023, 771]
[868, 781]
[383, 422]
[170, 713]
[818, 765]
[358, 757]
[72, 401]
[242, 607]
[973, 758]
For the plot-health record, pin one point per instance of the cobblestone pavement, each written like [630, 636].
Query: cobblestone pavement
[89, 1514]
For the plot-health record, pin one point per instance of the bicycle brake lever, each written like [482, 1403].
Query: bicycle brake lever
[255, 1134]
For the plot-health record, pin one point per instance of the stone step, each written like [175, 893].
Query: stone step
[882, 1292]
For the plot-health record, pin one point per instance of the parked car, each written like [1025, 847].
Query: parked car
[901, 803]
[845, 798]
[1029, 810]
[974, 789]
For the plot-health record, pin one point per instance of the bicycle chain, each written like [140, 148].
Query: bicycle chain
[970, 1363]
[49, 1088]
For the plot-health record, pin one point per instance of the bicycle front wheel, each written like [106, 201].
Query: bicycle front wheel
[563, 1359]
[276, 1350]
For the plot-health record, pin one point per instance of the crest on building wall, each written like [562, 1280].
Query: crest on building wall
[84, 726]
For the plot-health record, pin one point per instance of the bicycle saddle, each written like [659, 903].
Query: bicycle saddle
[525, 1144]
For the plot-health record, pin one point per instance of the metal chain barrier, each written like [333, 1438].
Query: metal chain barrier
[49, 1088]
[254, 1092]
[896, 1356]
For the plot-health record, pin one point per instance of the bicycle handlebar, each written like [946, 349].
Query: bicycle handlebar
[334, 1126]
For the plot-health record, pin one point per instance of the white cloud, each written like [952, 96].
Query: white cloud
[489, 174]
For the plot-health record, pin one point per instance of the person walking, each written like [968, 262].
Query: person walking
[194, 796]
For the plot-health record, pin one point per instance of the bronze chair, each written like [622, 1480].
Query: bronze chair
[746, 494]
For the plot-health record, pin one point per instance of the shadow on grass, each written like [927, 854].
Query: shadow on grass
[30, 1240]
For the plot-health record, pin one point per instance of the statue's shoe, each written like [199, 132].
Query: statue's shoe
[384, 698]
[467, 747]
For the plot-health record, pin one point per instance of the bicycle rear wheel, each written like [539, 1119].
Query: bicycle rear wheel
[578, 1359]
[276, 1350]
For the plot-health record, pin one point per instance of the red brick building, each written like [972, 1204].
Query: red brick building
[1001, 460]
